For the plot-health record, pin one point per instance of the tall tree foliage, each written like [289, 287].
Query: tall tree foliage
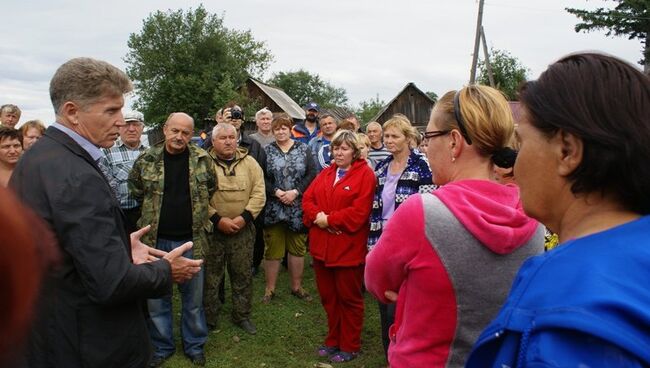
[304, 87]
[432, 95]
[630, 18]
[369, 108]
[507, 70]
[189, 61]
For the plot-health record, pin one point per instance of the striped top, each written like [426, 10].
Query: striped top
[377, 155]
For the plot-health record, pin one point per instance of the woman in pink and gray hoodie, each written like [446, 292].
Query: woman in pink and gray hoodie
[465, 241]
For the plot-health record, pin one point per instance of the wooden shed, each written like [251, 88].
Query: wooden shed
[339, 113]
[274, 98]
[412, 102]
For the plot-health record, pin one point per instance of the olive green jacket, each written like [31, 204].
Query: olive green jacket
[146, 184]
[241, 186]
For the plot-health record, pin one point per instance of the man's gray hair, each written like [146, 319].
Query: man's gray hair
[372, 123]
[86, 80]
[222, 126]
[10, 108]
[264, 111]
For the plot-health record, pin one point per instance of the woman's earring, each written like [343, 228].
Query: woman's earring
[453, 159]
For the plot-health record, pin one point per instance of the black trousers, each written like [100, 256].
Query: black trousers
[387, 318]
[132, 216]
[258, 247]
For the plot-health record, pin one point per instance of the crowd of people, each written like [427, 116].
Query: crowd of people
[445, 229]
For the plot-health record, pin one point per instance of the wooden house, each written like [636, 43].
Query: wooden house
[274, 98]
[339, 113]
[410, 101]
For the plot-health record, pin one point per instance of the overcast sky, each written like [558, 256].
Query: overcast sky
[369, 48]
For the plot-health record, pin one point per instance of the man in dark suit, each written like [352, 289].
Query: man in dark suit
[90, 313]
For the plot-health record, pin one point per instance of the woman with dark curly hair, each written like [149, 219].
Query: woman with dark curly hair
[583, 171]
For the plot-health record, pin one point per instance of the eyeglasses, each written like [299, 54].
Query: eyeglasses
[435, 133]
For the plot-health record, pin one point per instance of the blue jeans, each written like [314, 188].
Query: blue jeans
[194, 330]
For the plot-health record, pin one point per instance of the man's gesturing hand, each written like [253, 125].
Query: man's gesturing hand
[183, 268]
[140, 252]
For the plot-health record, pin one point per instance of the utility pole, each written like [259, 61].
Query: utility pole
[477, 40]
[486, 54]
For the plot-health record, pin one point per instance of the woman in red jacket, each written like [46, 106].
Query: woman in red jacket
[336, 209]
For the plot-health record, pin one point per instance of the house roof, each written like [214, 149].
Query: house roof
[410, 84]
[339, 113]
[282, 99]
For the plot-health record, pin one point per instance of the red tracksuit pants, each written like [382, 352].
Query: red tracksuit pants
[341, 294]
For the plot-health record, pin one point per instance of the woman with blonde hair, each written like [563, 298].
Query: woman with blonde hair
[336, 208]
[364, 147]
[464, 242]
[31, 131]
[403, 173]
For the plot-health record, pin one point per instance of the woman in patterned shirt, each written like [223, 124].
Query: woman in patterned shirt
[402, 174]
[290, 169]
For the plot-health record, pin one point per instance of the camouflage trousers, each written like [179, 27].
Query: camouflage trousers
[236, 253]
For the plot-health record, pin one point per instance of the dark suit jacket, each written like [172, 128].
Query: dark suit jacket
[91, 311]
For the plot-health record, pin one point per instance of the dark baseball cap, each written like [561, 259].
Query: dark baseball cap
[312, 106]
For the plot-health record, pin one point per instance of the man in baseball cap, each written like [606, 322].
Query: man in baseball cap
[120, 159]
[309, 128]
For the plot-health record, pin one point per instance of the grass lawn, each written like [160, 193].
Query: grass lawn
[288, 332]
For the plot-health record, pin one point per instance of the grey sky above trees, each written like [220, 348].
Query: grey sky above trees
[369, 48]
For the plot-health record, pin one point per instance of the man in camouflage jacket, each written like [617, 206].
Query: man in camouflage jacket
[173, 182]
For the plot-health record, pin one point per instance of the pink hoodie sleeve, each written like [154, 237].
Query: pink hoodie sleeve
[400, 243]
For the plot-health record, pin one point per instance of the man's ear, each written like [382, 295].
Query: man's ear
[570, 152]
[69, 111]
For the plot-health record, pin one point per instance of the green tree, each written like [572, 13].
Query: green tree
[630, 18]
[368, 109]
[432, 95]
[189, 61]
[304, 87]
[507, 70]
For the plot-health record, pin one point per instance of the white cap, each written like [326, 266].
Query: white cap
[134, 116]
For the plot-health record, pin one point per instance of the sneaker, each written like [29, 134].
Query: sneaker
[326, 351]
[198, 359]
[268, 295]
[302, 294]
[248, 326]
[343, 357]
